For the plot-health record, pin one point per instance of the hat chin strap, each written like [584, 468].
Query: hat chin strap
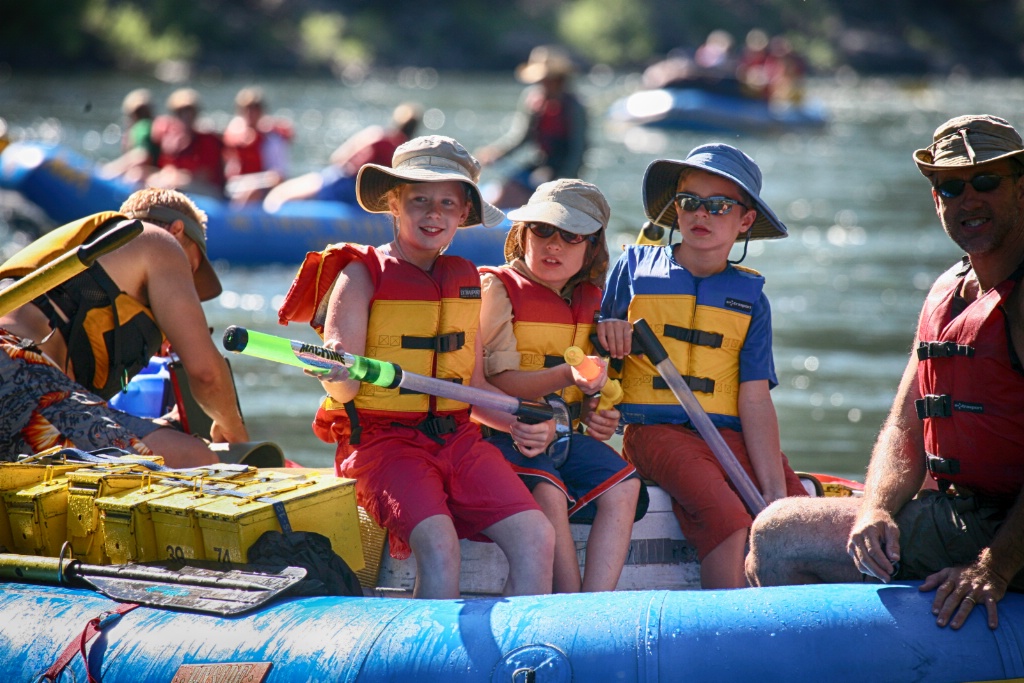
[745, 243]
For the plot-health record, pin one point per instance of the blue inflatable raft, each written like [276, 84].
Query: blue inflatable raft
[698, 109]
[66, 187]
[838, 633]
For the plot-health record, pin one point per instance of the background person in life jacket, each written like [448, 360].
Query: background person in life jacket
[256, 147]
[139, 150]
[956, 415]
[549, 119]
[105, 323]
[191, 156]
[337, 182]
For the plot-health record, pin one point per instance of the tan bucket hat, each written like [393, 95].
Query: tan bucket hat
[426, 159]
[568, 203]
[969, 140]
[544, 61]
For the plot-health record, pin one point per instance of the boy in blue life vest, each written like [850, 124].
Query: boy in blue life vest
[714, 321]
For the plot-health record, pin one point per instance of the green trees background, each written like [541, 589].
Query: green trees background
[982, 37]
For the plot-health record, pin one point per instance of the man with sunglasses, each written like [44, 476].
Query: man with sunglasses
[956, 416]
[714, 320]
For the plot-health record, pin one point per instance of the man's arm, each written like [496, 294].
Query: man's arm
[895, 474]
[175, 304]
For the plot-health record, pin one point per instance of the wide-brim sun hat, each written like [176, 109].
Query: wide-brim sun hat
[969, 140]
[570, 204]
[426, 159]
[545, 61]
[662, 178]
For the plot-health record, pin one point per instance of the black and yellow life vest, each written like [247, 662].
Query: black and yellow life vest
[110, 336]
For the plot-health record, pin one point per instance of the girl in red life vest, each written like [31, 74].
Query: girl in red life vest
[543, 301]
[422, 468]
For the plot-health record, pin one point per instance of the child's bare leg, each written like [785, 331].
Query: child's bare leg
[435, 545]
[723, 566]
[566, 565]
[608, 544]
[528, 541]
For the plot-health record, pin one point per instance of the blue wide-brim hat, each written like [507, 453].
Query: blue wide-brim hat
[662, 178]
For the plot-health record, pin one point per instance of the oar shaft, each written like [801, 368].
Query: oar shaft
[379, 373]
[702, 423]
[65, 267]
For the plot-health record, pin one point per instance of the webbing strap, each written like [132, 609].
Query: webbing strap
[703, 384]
[691, 336]
[442, 343]
[78, 645]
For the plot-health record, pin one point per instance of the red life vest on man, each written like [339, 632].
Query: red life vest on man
[244, 145]
[198, 152]
[972, 390]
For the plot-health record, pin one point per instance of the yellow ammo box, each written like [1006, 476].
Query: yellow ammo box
[84, 521]
[311, 502]
[175, 524]
[128, 525]
[19, 475]
[38, 517]
[126, 517]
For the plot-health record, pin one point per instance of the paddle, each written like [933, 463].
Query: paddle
[388, 375]
[66, 266]
[195, 588]
[654, 351]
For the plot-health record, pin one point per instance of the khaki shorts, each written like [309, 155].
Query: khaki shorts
[938, 530]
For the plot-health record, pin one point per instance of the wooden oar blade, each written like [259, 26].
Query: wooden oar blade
[193, 588]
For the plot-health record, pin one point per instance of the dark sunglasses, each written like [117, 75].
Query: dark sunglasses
[716, 206]
[544, 231]
[985, 182]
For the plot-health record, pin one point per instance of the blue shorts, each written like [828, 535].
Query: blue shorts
[592, 468]
[336, 186]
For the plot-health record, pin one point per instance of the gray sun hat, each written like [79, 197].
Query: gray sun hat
[427, 159]
[969, 140]
[568, 203]
[662, 178]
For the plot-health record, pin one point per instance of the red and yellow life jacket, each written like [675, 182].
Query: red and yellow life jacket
[110, 336]
[424, 322]
[972, 394]
[545, 325]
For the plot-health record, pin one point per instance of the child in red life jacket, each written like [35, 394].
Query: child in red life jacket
[422, 468]
[543, 301]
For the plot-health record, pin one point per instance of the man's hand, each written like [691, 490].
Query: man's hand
[959, 589]
[874, 544]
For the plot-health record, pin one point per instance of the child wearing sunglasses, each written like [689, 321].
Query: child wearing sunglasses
[714, 321]
[542, 301]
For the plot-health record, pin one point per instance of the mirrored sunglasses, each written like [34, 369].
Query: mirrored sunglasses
[984, 182]
[543, 230]
[716, 206]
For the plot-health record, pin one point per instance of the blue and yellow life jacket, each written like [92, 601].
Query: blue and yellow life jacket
[703, 324]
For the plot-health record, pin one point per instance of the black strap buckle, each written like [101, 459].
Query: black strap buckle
[937, 465]
[934, 405]
[937, 349]
[697, 337]
[553, 361]
[435, 427]
[702, 384]
[442, 343]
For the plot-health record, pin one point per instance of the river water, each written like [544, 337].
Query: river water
[845, 286]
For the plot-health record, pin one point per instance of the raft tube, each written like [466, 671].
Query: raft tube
[849, 632]
[66, 186]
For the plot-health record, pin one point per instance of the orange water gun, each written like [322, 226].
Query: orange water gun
[611, 392]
